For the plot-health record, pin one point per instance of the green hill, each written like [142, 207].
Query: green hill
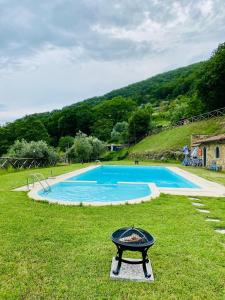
[167, 97]
[164, 86]
[176, 138]
[98, 115]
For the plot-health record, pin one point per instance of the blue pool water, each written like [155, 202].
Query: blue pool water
[161, 176]
[114, 184]
[93, 192]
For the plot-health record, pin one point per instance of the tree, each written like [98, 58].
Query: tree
[117, 109]
[211, 87]
[178, 110]
[85, 118]
[139, 124]
[102, 129]
[85, 148]
[120, 132]
[50, 120]
[67, 123]
[98, 147]
[4, 143]
[33, 130]
[184, 107]
[29, 128]
[65, 142]
[81, 149]
[33, 149]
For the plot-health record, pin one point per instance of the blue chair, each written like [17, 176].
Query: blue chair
[214, 167]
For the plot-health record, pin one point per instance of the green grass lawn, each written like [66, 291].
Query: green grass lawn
[58, 252]
[176, 138]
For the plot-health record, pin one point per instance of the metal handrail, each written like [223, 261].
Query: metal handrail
[40, 178]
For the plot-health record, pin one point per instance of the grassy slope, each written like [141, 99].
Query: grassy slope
[176, 138]
[56, 252]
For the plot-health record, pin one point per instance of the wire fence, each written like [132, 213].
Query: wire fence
[208, 115]
[23, 163]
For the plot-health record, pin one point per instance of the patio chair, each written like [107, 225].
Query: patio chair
[186, 161]
[214, 166]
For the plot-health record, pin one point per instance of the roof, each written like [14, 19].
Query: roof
[210, 139]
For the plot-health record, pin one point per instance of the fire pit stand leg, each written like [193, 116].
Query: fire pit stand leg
[119, 259]
[145, 260]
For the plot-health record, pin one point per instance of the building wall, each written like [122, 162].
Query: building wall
[211, 154]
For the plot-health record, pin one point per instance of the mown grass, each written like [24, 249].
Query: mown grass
[176, 138]
[58, 252]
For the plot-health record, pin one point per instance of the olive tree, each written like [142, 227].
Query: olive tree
[85, 148]
[38, 150]
[120, 132]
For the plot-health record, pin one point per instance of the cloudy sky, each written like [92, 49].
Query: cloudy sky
[54, 53]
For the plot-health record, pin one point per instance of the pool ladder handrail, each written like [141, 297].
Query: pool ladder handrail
[40, 178]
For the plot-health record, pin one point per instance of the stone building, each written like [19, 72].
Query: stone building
[211, 148]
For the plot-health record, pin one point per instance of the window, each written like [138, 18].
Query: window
[217, 152]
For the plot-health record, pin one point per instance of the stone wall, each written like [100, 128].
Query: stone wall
[158, 155]
[211, 154]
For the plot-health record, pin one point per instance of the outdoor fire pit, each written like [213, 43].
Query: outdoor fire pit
[132, 239]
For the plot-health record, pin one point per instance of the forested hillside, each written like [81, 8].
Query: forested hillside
[129, 113]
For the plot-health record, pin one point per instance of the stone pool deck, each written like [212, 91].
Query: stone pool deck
[206, 188]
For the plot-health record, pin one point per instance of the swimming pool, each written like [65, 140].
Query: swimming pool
[94, 192]
[115, 184]
[161, 176]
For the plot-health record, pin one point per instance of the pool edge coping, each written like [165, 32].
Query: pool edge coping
[33, 193]
[207, 188]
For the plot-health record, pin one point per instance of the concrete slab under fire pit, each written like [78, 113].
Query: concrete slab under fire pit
[131, 272]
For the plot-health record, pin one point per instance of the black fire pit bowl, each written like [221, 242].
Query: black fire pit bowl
[132, 239]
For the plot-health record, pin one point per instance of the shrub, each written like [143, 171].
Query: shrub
[39, 150]
[85, 148]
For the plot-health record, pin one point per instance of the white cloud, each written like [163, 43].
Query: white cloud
[57, 52]
[165, 33]
[206, 8]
